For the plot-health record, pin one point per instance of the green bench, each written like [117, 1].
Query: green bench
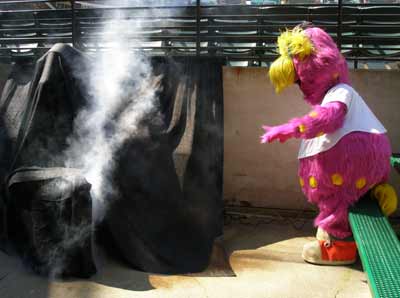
[378, 246]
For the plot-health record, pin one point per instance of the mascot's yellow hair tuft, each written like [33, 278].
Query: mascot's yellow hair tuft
[290, 43]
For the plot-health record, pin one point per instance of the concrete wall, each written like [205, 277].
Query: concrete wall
[266, 175]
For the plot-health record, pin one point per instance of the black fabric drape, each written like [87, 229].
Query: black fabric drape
[175, 174]
[57, 93]
[168, 207]
[12, 107]
[13, 104]
[37, 108]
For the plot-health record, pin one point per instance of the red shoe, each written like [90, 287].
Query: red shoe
[329, 251]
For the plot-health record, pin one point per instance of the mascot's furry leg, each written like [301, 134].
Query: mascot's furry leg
[335, 180]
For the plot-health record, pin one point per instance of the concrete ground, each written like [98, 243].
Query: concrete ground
[255, 261]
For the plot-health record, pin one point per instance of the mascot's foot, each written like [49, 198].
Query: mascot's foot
[328, 251]
[322, 234]
[386, 196]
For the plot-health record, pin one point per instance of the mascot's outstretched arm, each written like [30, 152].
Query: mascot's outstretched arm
[319, 121]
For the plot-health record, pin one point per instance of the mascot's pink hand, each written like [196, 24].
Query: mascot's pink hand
[281, 133]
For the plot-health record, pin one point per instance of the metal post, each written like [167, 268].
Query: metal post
[74, 31]
[197, 27]
[339, 22]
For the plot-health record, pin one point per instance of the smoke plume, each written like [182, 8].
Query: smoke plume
[122, 91]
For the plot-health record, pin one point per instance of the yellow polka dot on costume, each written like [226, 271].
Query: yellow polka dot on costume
[313, 114]
[337, 179]
[320, 134]
[302, 128]
[360, 183]
[301, 181]
[313, 182]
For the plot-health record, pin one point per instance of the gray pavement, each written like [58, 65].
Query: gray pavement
[252, 262]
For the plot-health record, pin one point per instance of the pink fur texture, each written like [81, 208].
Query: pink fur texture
[323, 69]
[357, 155]
[281, 133]
[327, 119]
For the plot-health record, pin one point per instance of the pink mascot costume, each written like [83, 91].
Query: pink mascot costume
[344, 152]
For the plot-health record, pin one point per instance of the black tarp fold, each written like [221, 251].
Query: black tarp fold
[168, 207]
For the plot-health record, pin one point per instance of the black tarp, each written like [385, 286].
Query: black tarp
[50, 221]
[169, 204]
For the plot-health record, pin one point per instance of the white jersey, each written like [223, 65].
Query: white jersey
[358, 118]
